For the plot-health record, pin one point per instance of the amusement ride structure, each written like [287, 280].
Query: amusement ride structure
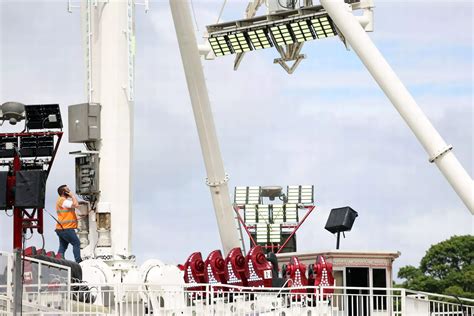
[104, 124]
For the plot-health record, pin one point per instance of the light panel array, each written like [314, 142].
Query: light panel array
[322, 27]
[280, 33]
[239, 42]
[262, 233]
[278, 214]
[268, 233]
[300, 194]
[263, 213]
[247, 195]
[291, 213]
[271, 214]
[250, 214]
[220, 46]
[259, 39]
[302, 31]
[274, 233]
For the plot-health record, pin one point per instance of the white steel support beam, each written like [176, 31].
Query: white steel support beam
[439, 152]
[216, 177]
[109, 37]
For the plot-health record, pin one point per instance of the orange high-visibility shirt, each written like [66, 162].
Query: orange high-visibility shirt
[66, 216]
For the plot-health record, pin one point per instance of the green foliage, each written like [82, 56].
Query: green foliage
[447, 268]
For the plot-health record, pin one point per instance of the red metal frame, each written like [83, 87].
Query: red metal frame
[309, 210]
[22, 219]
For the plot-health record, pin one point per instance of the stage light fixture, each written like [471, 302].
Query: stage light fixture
[262, 233]
[278, 214]
[291, 213]
[280, 28]
[263, 213]
[274, 233]
[281, 34]
[322, 27]
[250, 214]
[219, 45]
[259, 39]
[300, 194]
[302, 31]
[239, 42]
[247, 195]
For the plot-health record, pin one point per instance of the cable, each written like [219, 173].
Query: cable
[222, 10]
[194, 15]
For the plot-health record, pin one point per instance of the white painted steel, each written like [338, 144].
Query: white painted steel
[392, 86]
[152, 299]
[109, 39]
[216, 177]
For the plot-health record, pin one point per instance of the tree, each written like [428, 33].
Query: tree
[447, 268]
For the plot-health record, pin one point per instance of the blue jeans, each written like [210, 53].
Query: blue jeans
[66, 237]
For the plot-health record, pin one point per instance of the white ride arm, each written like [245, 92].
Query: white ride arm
[216, 177]
[439, 152]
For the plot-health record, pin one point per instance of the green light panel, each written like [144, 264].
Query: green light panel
[281, 34]
[239, 42]
[219, 45]
[259, 39]
[322, 27]
[302, 31]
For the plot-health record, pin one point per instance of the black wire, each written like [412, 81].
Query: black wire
[44, 244]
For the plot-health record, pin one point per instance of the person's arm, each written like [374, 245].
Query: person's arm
[75, 203]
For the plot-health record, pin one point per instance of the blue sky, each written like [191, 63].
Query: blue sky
[328, 124]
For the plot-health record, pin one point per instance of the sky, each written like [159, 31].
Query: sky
[328, 124]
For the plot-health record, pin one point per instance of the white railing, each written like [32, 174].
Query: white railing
[47, 291]
[41, 282]
[152, 299]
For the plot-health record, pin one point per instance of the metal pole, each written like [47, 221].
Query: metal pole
[17, 283]
[338, 240]
[216, 177]
[439, 152]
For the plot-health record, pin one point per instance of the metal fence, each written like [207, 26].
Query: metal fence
[41, 281]
[152, 299]
[47, 291]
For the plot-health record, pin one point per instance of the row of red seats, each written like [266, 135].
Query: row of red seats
[255, 270]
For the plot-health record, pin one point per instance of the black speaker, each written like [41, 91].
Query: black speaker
[341, 219]
[30, 188]
[3, 189]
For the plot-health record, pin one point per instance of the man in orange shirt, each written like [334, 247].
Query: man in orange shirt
[67, 222]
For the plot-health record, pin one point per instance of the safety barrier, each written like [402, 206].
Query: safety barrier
[152, 299]
[47, 291]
